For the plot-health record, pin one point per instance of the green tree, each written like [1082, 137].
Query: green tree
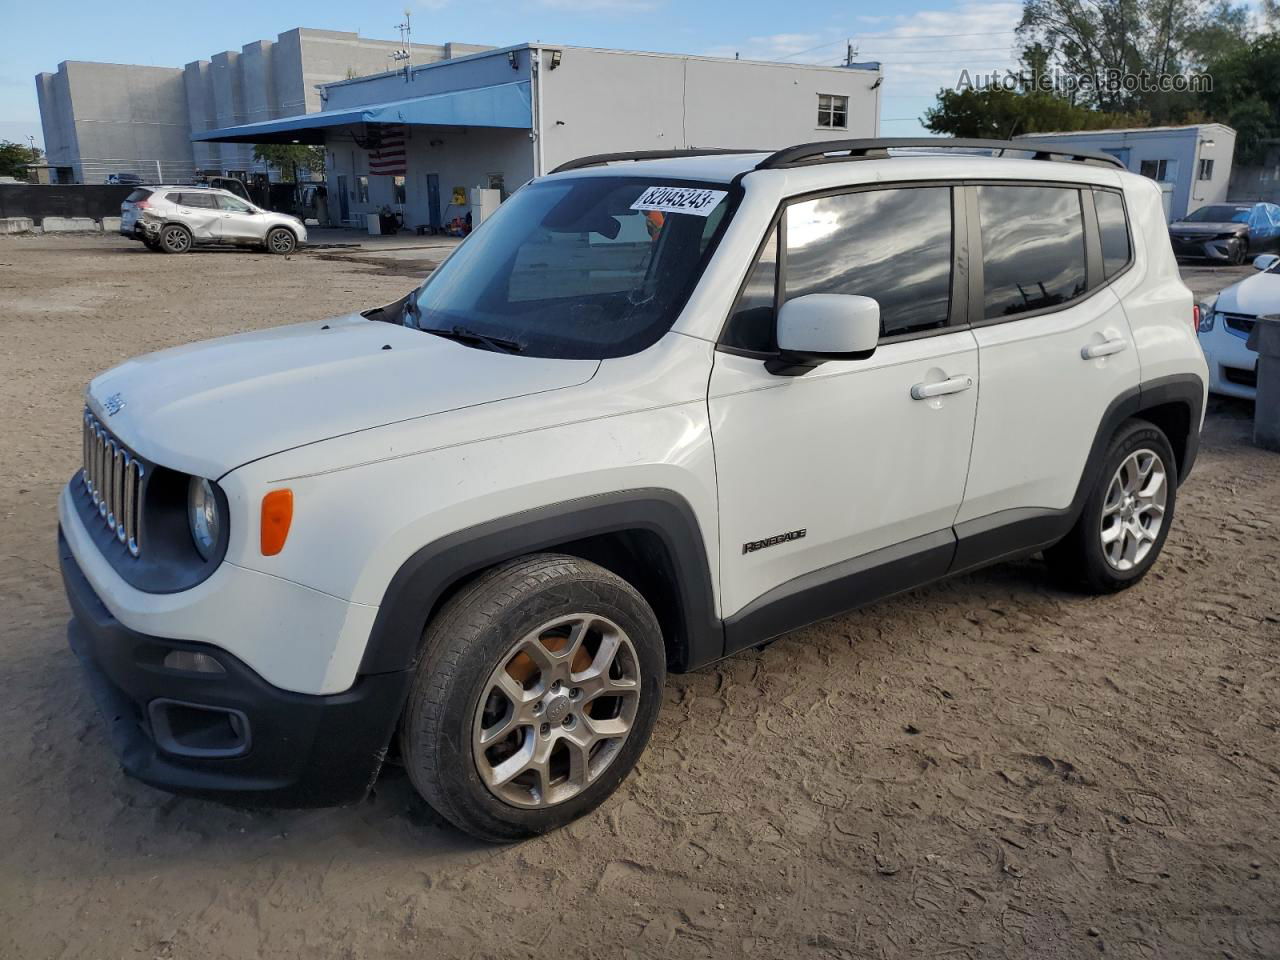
[999, 114]
[14, 158]
[1155, 37]
[291, 158]
[1246, 95]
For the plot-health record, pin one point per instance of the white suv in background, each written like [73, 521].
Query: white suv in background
[173, 219]
[651, 413]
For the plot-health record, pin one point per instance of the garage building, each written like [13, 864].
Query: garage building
[420, 141]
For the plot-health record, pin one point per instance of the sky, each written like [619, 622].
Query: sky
[923, 44]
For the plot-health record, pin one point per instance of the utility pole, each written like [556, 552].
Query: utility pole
[32, 140]
[405, 53]
[848, 52]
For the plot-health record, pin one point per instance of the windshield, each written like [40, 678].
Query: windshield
[584, 268]
[1219, 213]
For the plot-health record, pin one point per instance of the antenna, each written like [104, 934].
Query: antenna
[405, 53]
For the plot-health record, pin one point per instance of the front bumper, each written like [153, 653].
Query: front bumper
[1219, 250]
[228, 736]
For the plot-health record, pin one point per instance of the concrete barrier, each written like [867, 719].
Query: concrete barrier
[110, 224]
[70, 225]
[16, 225]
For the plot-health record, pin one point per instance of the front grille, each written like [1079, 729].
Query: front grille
[1240, 324]
[1245, 378]
[114, 479]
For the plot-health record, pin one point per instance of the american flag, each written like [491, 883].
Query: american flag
[387, 152]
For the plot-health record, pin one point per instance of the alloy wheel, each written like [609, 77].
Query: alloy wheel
[556, 711]
[281, 241]
[176, 239]
[1134, 508]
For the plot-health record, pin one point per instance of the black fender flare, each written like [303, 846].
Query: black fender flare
[416, 588]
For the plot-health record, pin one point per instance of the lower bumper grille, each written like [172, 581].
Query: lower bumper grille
[114, 479]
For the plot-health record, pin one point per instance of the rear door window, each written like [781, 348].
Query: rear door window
[205, 201]
[1033, 252]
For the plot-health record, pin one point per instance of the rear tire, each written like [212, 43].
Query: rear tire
[175, 238]
[537, 690]
[281, 241]
[1127, 516]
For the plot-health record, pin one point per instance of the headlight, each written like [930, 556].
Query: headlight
[203, 516]
[1207, 316]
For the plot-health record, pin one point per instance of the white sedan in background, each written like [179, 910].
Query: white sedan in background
[1225, 324]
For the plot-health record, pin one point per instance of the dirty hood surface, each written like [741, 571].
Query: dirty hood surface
[207, 408]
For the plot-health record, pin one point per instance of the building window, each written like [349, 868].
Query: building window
[362, 189]
[833, 111]
[398, 183]
[1157, 170]
[498, 182]
[1206, 169]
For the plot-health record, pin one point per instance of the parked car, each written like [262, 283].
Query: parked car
[173, 219]
[648, 415]
[124, 179]
[1226, 232]
[1225, 325]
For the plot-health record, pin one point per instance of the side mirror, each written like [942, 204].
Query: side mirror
[825, 326]
[1265, 262]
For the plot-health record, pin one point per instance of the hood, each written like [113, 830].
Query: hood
[1183, 228]
[1257, 296]
[207, 408]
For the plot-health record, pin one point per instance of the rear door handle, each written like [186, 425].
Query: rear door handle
[1104, 349]
[923, 391]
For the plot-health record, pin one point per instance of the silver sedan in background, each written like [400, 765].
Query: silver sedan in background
[173, 219]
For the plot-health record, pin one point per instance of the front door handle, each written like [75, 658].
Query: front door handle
[923, 391]
[1104, 349]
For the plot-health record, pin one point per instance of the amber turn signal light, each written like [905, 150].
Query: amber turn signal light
[277, 514]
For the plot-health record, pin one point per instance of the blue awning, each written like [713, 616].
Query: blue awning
[502, 105]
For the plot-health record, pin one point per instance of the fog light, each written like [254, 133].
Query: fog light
[192, 662]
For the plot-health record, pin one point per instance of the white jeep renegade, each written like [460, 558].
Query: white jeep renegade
[653, 412]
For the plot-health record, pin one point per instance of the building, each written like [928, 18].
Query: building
[420, 140]
[104, 118]
[1192, 164]
[1258, 182]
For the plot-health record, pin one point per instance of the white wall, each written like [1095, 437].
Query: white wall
[600, 101]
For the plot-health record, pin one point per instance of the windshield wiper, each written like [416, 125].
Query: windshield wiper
[463, 335]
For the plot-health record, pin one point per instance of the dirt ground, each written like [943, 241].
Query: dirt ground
[985, 768]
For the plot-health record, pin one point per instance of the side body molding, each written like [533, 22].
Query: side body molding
[665, 517]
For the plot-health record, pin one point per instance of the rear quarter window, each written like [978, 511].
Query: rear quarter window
[1113, 231]
[137, 195]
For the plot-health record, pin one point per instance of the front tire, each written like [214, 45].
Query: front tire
[1127, 516]
[281, 240]
[175, 238]
[537, 690]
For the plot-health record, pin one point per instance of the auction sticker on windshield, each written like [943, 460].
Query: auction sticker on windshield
[692, 200]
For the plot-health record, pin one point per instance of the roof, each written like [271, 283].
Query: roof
[499, 105]
[1121, 130]
[868, 66]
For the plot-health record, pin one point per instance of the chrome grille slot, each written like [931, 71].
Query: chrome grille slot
[113, 482]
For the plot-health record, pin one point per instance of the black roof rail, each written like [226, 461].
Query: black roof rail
[598, 159]
[841, 151]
